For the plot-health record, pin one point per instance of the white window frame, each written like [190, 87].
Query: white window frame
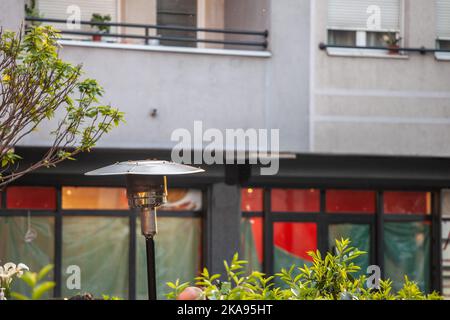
[361, 41]
[444, 56]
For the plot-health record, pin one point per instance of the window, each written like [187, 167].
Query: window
[95, 235]
[252, 227]
[407, 203]
[393, 227]
[59, 10]
[363, 22]
[443, 24]
[350, 201]
[37, 198]
[445, 243]
[295, 200]
[177, 13]
[36, 251]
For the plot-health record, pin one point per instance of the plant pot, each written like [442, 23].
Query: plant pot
[97, 37]
[394, 49]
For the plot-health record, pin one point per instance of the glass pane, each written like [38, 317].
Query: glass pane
[444, 44]
[252, 242]
[359, 234]
[252, 200]
[350, 201]
[178, 254]
[99, 247]
[39, 198]
[377, 39]
[341, 38]
[292, 242]
[183, 200]
[36, 250]
[446, 258]
[407, 202]
[407, 252]
[94, 198]
[295, 200]
[445, 205]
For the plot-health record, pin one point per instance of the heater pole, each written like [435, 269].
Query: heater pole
[151, 268]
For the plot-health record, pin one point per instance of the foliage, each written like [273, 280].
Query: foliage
[35, 281]
[39, 90]
[31, 10]
[98, 18]
[108, 297]
[391, 39]
[8, 273]
[328, 278]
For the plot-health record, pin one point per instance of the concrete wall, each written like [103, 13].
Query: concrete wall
[11, 14]
[223, 91]
[386, 105]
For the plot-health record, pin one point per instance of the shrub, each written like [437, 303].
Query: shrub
[328, 278]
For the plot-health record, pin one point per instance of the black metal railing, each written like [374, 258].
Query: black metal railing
[421, 50]
[262, 44]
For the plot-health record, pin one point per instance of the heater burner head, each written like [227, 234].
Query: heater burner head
[145, 167]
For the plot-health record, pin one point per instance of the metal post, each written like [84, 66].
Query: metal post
[151, 268]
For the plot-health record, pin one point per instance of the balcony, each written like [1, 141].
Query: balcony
[212, 24]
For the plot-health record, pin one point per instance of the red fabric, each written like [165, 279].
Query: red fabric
[39, 198]
[407, 203]
[296, 238]
[252, 200]
[350, 201]
[295, 200]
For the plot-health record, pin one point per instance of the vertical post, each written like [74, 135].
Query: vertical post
[268, 248]
[147, 33]
[151, 268]
[379, 232]
[224, 219]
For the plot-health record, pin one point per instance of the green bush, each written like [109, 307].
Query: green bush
[328, 278]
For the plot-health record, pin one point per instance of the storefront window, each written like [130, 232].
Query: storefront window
[94, 198]
[252, 200]
[37, 198]
[446, 258]
[99, 247]
[407, 202]
[29, 241]
[292, 242]
[178, 254]
[252, 242]
[359, 234]
[295, 200]
[350, 201]
[407, 252]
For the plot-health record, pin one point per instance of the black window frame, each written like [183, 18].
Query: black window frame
[375, 221]
[59, 213]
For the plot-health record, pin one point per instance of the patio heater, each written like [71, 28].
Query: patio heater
[146, 183]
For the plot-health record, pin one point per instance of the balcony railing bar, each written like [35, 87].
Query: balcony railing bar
[421, 50]
[264, 33]
[166, 38]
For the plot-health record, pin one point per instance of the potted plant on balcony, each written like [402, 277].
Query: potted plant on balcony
[392, 42]
[102, 29]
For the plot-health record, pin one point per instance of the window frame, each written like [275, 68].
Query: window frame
[375, 221]
[361, 39]
[59, 213]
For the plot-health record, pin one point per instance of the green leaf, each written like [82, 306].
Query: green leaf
[44, 271]
[41, 289]
[19, 296]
